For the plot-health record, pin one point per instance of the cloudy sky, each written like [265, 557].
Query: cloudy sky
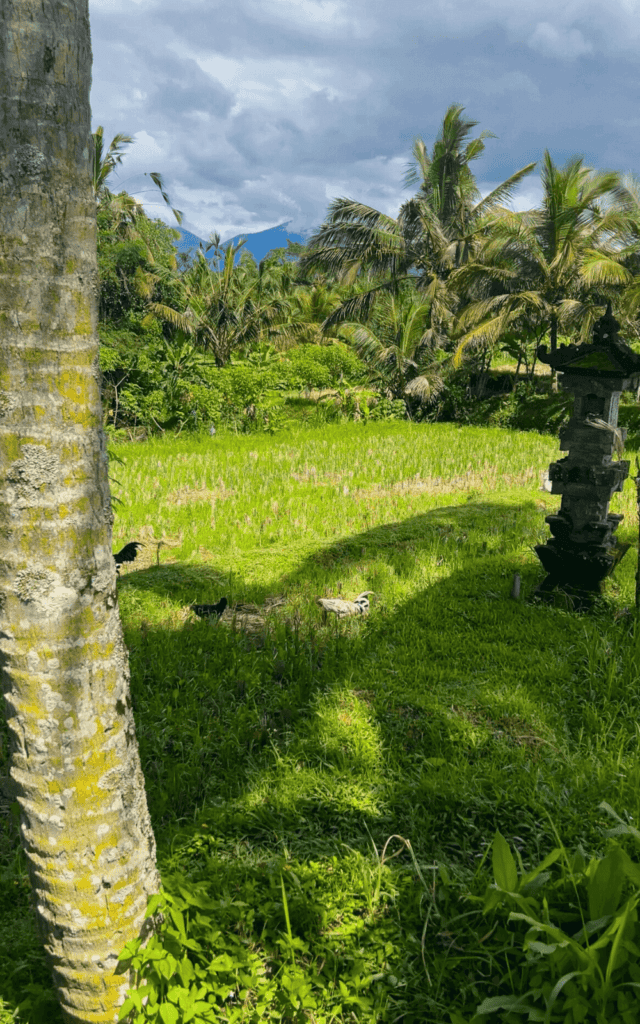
[257, 112]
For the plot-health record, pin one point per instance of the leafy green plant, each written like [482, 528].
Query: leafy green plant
[261, 356]
[342, 362]
[345, 403]
[303, 371]
[580, 954]
[388, 409]
[216, 957]
[457, 404]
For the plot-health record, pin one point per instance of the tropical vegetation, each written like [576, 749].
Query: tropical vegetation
[328, 798]
[429, 814]
[559, 263]
[425, 302]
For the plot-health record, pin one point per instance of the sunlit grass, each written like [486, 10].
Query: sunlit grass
[448, 712]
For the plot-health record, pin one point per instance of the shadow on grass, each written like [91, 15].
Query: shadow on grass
[443, 717]
[466, 703]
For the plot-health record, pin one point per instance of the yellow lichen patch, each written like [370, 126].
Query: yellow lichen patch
[75, 388]
[36, 534]
[10, 446]
[39, 412]
[84, 312]
[33, 357]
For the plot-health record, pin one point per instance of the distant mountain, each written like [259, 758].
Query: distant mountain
[258, 244]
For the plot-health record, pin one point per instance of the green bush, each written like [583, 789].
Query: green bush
[457, 404]
[241, 385]
[205, 404]
[388, 409]
[629, 417]
[300, 370]
[566, 937]
[532, 406]
[341, 362]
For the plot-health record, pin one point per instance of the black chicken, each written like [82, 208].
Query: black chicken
[128, 553]
[205, 611]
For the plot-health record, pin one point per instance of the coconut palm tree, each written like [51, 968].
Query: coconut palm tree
[127, 207]
[556, 264]
[124, 211]
[221, 309]
[627, 245]
[74, 763]
[275, 280]
[311, 305]
[307, 299]
[435, 231]
[396, 347]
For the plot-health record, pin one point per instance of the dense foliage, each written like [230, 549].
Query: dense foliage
[410, 310]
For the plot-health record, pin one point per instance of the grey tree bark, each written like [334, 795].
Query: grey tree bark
[75, 768]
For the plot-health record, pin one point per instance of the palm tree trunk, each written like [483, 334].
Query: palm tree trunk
[554, 345]
[515, 379]
[75, 769]
[553, 334]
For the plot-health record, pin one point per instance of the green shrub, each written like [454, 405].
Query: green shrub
[300, 370]
[566, 937]
[532, 406]
[629, 417]
[205, 404]
[241, 385]
[457, 404]
[341, 362]
[388, 409]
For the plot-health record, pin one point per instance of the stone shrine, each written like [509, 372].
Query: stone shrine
[583, 549]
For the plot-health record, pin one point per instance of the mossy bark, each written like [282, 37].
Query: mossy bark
[75, 769]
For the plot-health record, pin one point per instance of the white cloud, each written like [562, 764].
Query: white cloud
[258, 111]
[553, 42]
[323, 14]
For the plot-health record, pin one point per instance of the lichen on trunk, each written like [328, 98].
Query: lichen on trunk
[75, 768]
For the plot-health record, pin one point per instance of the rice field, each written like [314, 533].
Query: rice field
[248, 503]
[333, 789]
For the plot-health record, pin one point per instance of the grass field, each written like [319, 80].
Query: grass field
[279, 761]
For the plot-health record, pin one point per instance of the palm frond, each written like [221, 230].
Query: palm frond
[631, 297]
[488, 331]
[424, 163]
[172, 316]
[478, 273]
[502, 192]
[424, 388]
[476, 312]
[358, 307]
[599, 269]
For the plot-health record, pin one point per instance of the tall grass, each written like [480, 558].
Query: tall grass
[277, 770]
